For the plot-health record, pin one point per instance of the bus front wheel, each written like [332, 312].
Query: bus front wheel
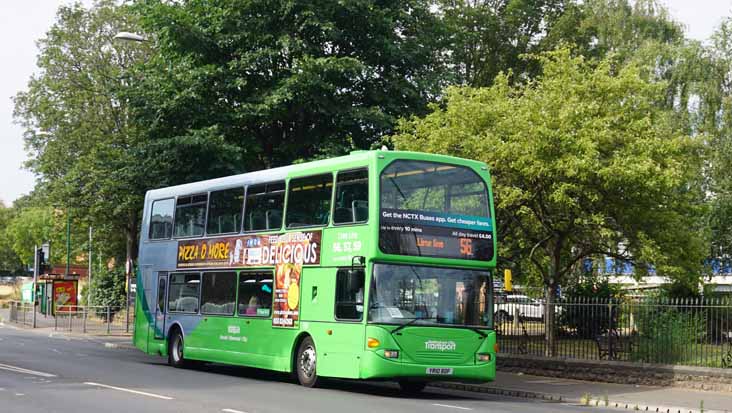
[175, 350]
[306, 363]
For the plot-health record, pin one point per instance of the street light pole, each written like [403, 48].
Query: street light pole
[89, 276]
[68, 238]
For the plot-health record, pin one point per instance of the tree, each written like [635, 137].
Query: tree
[714, 116]
[82, 143]
[489, 37]
[9, 261]
[585, 161]
[271, 82]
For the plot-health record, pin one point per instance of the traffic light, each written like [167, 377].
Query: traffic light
[42, 264]
[507, 280]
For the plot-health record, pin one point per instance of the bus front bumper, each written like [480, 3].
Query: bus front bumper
[373, 366]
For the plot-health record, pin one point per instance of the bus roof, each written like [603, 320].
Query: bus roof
[281, 173]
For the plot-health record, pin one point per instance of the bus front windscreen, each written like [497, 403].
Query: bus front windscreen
[420, 296]
[436, 210]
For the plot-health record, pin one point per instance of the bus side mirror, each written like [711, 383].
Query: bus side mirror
[357, 261]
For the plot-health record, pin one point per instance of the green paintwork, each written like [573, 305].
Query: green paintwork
[341, 346]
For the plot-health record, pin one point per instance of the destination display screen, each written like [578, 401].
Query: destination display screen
[406, 232]
[434, 210]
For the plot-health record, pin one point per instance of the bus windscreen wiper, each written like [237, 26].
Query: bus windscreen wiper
[410, 322]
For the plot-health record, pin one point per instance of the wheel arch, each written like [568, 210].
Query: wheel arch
[175, 326]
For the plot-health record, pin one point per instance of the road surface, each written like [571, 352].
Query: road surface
[46, 372]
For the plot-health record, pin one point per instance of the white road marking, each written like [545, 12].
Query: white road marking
[232, 411]
[25, 371]
[141, 393]
[451, 407]
[55, 351]
[20, 394]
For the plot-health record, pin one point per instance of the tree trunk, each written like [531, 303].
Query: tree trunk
[550, 292]
[131, 244]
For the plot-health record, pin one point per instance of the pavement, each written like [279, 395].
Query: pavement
[111, 363]
[622, 396]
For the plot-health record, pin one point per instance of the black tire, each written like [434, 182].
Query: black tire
[412, 387]
[175, 350]
[306, 363]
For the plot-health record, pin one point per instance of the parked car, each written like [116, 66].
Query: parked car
[507, 306]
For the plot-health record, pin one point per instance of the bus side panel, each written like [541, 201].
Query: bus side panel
[339, 344]
[144, 318]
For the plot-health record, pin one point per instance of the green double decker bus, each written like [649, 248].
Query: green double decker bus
[374, 265]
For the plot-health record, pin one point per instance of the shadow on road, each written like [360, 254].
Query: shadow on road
[372, 388]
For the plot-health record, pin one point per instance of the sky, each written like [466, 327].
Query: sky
[22, 22]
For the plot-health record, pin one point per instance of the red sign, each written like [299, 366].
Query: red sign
[251, 250]
[64, 295]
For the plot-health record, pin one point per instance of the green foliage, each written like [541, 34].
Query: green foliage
[584, 159]
[10, 262]
[590, 317]
[665, 334]
[107, 289]
[269, 82]
[487, 38]
[80, 138]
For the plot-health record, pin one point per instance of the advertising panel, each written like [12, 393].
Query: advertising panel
[286, 252]
[433, 234]
[250, 250]
[64, 295]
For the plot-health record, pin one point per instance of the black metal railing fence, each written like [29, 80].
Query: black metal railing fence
[694, 332]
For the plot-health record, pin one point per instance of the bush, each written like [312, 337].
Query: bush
[108, 290]
[665, 334]
[585, 308]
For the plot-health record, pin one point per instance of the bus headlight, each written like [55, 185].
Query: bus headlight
[484, 357]
[391, 354]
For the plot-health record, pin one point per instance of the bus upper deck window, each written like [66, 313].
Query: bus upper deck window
[309, 201]
[224, 211]
[263, 207]
[352, 197]
[190, 215]
[161, 219]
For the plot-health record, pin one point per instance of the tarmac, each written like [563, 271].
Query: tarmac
[586, 393]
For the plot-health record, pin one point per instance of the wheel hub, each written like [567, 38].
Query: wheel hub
[307, 362]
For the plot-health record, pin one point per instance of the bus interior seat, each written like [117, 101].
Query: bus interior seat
[187, 304]
[360, 210]
[342, 215]
[274, 219]
[257, 220]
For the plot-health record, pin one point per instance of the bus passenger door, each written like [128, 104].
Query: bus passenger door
[162, 298]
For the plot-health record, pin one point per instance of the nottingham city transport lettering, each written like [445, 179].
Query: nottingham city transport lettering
[251, 250]
[440, 345]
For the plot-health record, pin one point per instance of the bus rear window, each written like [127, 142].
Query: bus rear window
[161, 219]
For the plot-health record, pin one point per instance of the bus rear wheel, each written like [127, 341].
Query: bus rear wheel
[175, 350]
[412, 387]
[305, 364]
